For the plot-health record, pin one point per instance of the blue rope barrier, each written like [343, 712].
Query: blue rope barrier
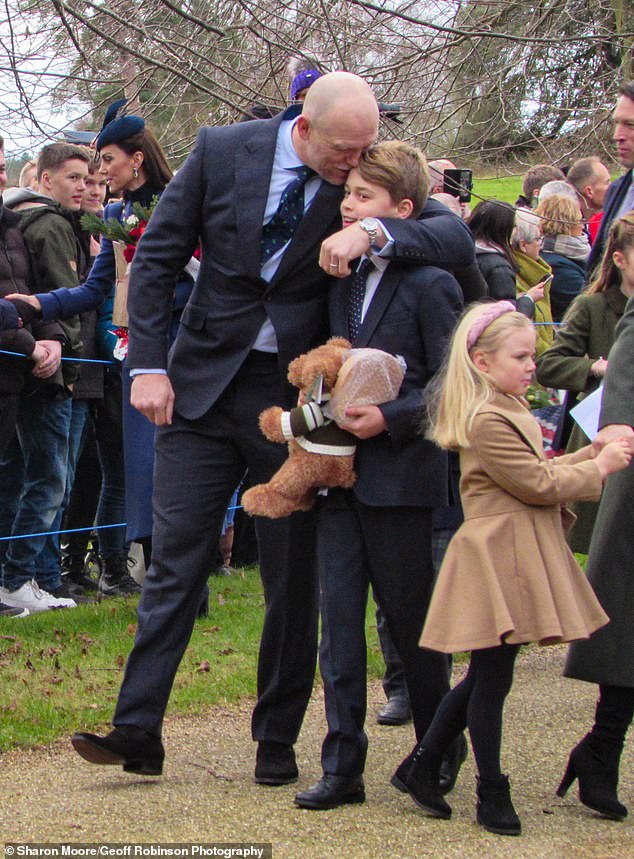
[69, 531]
[79, 360]
[77, 530]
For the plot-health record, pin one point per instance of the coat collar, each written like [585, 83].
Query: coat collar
[517, 412]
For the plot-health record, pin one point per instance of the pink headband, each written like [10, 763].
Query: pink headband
[492, 312]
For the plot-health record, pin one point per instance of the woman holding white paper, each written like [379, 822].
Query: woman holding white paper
[577, 361]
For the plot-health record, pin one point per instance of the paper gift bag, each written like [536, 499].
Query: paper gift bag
[120, 307]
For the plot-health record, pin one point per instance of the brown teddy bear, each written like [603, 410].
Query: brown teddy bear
[320, 453]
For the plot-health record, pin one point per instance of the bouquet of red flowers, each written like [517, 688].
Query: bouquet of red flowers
[128, 231]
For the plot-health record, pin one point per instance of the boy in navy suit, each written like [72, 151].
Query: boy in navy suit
[379, 532]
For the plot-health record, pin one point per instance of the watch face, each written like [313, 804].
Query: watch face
[369, 223]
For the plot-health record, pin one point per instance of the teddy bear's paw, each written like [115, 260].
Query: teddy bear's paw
[271, 424]
[263, 500]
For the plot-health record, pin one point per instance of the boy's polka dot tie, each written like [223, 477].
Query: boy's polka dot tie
[357, 294]
[285, 220]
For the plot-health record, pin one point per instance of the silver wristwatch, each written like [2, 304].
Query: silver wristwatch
[371, 227]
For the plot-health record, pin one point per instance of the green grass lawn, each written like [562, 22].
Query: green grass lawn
[61, 670]
[507, 189]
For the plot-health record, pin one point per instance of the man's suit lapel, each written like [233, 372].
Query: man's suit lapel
[322, 215]
[253, 168]
[619, 196]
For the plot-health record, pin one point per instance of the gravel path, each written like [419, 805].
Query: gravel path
[207, 794]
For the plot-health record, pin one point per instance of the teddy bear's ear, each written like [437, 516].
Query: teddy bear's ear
[341, 342]
[295, 369]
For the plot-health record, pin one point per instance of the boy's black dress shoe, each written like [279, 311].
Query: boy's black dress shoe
[332, 791]
[452, 760]
[275, 764]
[132, 747]
[397, 711]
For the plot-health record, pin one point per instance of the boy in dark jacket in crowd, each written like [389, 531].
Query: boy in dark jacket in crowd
[33, 468]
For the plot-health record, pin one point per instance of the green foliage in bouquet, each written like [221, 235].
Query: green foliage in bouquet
[127, 231]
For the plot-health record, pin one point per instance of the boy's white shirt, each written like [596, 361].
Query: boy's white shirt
[373, 281]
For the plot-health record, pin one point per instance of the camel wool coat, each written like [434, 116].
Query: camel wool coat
[508, 574]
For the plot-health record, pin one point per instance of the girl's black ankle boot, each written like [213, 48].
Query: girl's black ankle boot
[495, 810]
[419, 776]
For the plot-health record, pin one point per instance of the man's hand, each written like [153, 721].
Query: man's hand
[47, 356]
[613, 432]
[364, 421]
[152, 394]
[338, 250]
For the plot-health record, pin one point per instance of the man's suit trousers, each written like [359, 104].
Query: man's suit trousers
[198, 466]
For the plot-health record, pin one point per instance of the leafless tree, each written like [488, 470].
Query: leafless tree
[493, 80]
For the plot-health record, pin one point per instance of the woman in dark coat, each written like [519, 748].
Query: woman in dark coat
[608, 657]
[492, 224]
[137, 171]
[577, 362]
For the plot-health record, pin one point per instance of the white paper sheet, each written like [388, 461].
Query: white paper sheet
[586, 413]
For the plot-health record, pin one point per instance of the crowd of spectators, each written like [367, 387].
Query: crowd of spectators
[79, 414]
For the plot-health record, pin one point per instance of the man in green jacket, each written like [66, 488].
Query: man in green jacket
[33, 468]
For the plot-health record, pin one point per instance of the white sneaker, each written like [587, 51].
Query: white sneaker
[12, 611]
[31, 597]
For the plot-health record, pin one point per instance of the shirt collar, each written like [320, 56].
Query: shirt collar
[380, 263]
[288, 158]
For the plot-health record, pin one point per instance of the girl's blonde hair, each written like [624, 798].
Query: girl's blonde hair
[460, 389]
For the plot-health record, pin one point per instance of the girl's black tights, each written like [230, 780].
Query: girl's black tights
[477, 703]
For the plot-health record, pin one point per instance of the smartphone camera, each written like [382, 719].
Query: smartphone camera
[458, 183]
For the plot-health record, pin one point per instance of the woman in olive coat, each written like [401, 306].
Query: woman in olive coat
[577, 362]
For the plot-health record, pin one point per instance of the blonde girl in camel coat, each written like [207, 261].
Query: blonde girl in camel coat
[508, 576]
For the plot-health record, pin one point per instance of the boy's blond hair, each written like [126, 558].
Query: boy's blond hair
[401, 169]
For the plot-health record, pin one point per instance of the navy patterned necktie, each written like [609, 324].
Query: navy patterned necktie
[290, 211]
[357, 294]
